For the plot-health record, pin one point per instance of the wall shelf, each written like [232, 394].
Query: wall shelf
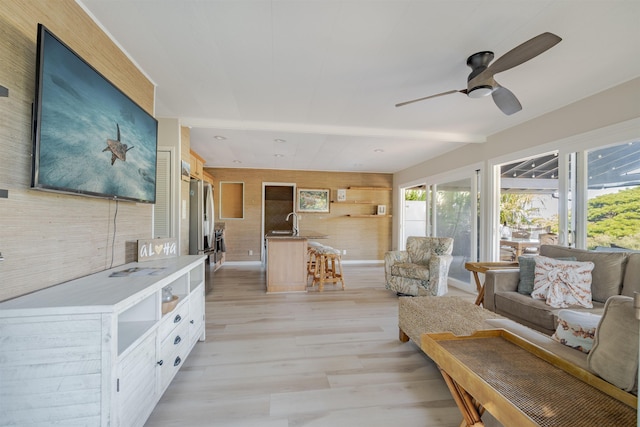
[381, 200]
[370, 188]
[354, 202]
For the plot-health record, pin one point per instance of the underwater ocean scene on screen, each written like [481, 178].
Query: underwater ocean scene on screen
[93, 139]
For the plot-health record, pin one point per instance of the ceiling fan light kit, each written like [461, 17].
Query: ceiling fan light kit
[480, 91]
[481, 83]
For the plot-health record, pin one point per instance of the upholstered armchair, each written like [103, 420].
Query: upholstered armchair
[422, 269]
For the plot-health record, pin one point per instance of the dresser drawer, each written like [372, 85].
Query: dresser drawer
[173, 319]
[173, 352]
[176, 338]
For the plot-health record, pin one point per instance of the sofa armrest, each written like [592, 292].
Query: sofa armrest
[499, 281]
[393, 257]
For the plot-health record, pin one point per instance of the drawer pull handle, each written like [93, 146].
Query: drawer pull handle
[177, 340]
[191, 321]
[177, 318]
[160, 362]
[177, 361]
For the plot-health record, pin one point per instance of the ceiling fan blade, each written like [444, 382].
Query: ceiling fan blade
[431, 96]
[524, 52]
[505, 100]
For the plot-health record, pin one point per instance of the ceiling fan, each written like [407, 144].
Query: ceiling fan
[481, 82]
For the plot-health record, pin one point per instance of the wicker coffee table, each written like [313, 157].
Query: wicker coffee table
[523, 385]
[420, 315]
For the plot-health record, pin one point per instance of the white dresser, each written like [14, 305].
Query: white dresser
[97, 351]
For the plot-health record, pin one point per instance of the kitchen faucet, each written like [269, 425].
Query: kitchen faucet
[295, 222]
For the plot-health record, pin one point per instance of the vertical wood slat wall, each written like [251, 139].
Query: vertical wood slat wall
[366, 238]
[48, 238]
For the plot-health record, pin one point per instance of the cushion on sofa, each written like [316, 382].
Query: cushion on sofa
[576, 329]
[526, 310]
[631, 282]
[412, 271]
[614, 355]
[608, 270]
[527, 272]
[562, 283]
[534, 313]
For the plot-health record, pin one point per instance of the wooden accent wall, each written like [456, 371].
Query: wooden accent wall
[364, 238]
[48, 238]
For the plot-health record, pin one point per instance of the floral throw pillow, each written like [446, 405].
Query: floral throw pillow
[576, 329]
[563, 283]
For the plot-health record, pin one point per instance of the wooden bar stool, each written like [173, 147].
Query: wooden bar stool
[328, 267]
[312, 258]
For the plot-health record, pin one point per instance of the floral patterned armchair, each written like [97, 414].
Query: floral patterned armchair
[420, 270]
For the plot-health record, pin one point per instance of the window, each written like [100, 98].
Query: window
[613, 197]
[528, 205]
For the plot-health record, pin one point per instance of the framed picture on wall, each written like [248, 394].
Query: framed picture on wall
[185, 171]
[313, 200]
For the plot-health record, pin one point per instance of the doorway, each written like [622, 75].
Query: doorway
[277, 202]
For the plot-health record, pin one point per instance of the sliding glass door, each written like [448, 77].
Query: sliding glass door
[454, 216]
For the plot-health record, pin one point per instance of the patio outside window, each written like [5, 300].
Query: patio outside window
[528, 205]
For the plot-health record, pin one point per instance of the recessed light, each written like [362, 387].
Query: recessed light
[237, 161]
[279, 140]
[278, 155]
[378, 150]
[220, 138]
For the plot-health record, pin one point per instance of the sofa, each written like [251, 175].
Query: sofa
[421, 269]
[614, 273]
[614, 352]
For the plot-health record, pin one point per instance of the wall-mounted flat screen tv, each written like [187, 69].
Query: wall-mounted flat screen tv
[89, 137]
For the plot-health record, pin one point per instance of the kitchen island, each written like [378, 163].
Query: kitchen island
[287, 260]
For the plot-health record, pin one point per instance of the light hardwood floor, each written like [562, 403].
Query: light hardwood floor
[307, 359]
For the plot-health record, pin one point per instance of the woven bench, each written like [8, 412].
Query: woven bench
[420, 315]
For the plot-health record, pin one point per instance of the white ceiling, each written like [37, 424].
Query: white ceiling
[324, 75]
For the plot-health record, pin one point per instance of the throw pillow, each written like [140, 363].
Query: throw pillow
[614, 356]
[527, 272]
[576, 329]
[562, 283]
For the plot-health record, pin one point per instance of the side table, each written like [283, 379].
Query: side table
[483, 267]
